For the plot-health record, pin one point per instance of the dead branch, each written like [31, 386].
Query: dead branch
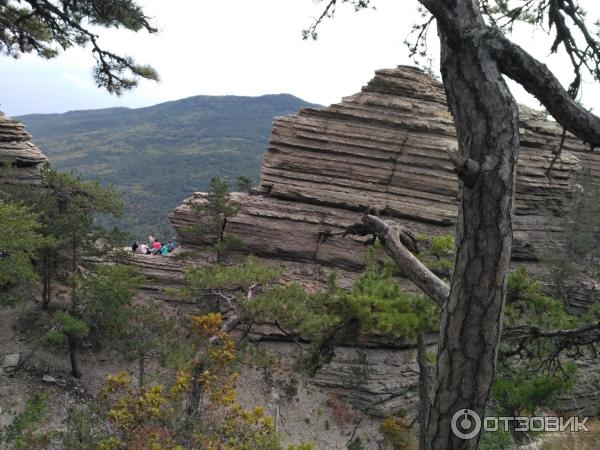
[396, 239]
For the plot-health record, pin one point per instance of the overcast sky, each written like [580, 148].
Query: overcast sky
[244, 47]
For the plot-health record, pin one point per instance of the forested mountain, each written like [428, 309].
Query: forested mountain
[159, 155]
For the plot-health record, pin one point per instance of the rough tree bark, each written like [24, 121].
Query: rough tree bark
[474, 58]
[486, 118]
[194, 398]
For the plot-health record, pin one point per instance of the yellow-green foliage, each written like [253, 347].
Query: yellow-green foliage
[397, 433]
[155, 417]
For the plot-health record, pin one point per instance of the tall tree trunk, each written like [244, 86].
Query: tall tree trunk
[73, 255]
[486, 118]
[45, 283]
[75, 371]
[47, 266]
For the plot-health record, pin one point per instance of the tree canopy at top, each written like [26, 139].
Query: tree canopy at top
[47, 26]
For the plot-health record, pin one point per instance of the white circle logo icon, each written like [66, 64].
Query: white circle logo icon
[466, 424]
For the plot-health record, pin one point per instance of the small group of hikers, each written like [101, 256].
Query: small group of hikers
[154, 247]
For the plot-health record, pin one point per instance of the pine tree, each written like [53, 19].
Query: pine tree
[20, 243]
[531, 374]
[68, 209]
[375, 304]
[215, 211]
[45, 27]
[245, 184]
[100, 311]
[148, 337]
[155, 417]
[476, 57]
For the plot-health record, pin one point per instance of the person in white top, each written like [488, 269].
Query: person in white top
[143, 249]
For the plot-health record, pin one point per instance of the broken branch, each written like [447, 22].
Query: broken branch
[391, 235]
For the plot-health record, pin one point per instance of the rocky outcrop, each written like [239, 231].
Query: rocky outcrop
[385, 149]
[20, 160]
[584, 399]
[380, 381]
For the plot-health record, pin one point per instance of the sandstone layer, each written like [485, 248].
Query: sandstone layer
[20, 160]
[385, 149]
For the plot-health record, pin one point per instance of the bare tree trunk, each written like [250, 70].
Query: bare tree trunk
[45, 300]
[73, 255]
[75, 371]
[486, 119]
[47, 281]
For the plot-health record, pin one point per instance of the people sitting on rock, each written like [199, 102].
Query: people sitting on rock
[156, 245]
[170, 246]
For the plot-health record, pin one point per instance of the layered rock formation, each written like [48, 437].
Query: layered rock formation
[385, 148]
[20, 160]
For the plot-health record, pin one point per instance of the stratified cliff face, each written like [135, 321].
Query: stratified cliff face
[20, 160]
[385, 149]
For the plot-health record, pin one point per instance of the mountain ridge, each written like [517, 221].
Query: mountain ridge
[158, 155]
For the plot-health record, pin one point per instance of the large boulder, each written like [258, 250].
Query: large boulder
[20, 160]
[384, 149]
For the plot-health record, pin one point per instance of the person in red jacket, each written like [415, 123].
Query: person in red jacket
[156, 245]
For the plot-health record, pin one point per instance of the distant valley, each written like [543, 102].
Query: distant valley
[159, 155]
